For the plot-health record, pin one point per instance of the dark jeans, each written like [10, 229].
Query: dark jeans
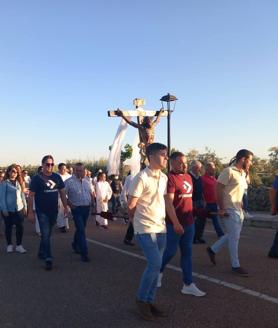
[46, 222]
[115, 199]
[184, 241]
[274, 247]
[80, 216]
[130, 232]
[14, 218]
[212, 207]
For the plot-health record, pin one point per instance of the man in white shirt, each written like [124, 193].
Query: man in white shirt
[62, 221]
[146, 207]
[124, 198]
[230, 188]
[80, 193]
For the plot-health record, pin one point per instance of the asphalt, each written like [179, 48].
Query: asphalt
[101, 293]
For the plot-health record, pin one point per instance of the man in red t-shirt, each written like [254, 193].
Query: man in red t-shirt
[179, 194]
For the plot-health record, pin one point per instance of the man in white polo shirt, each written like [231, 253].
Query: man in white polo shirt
[80, 193]
[146, 207]
[230, 188]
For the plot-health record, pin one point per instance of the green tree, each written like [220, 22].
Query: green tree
[208, 156]
[273, 159]
[126, 153]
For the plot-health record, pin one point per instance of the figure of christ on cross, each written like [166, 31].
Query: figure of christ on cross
[146, 130]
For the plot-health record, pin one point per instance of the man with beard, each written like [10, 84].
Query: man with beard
[179, 194]
[230, 188]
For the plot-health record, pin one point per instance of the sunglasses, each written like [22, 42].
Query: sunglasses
[49, 164]
[13, 171]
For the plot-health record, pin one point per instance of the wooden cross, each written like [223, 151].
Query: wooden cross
[146, 130]
[137, 113]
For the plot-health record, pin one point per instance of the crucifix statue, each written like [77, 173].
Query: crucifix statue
[146, 123]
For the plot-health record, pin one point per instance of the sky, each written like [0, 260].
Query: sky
[65, 63]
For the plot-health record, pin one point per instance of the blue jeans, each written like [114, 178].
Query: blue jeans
[46, 222]
[80, 216]
[185, 242]
[233, 224]
[212, 207]
[153, 245]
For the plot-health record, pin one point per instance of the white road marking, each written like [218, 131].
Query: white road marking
[236, 287]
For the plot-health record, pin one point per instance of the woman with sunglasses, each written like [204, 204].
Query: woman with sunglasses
[13, 206]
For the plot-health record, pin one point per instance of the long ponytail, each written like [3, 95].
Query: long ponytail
[240, 154]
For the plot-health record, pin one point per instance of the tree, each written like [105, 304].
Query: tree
[204, 158]
[126, 153]
[273, 159]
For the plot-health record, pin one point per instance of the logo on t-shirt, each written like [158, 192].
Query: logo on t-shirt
[50, 184]
[187, 187]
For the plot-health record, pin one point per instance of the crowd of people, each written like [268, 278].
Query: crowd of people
[164, 211]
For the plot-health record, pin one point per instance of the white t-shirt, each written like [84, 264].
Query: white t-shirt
[150, 188]
[65, 176]
[234, 181]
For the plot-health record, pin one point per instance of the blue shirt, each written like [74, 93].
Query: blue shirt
[275, 186]
[12, 198]
[79, 192]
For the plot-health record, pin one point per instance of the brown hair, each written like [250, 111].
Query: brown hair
[18, 177]
[46, 157]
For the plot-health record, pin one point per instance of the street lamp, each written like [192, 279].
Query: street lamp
[168, 99]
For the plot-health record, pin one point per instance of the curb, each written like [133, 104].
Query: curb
[262, 220]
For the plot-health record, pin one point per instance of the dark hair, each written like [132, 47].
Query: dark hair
[154, 148]
[79, 164]
[39, 169]
[176, 154]
[99, 175]
[46, 157]
[61, 164]
[240, 154]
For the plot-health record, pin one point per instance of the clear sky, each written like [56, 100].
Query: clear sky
[64, 63]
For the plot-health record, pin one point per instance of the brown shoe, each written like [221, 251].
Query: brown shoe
[240, 271]
[211, 255]
[144, 310]
[158, 312]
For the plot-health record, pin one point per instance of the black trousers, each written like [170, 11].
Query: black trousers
[130, 232]
[199, 222]
[14, 218]
[199, 227]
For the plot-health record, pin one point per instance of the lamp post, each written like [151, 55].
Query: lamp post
[168, 99]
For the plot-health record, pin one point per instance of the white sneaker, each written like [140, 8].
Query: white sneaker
[10, 248]
[192, 290]
[20, 249]
[159, 280]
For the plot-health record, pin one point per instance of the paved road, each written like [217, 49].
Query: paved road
[102, 293]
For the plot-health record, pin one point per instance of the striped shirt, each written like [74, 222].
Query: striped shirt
[79, 192]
